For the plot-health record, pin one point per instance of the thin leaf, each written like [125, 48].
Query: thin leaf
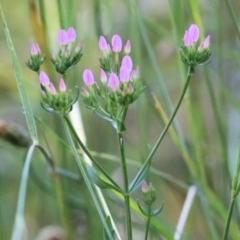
[99, 181]
[143, 211]
[156, 211]
[20, 83]
[109, 224]
[140, 177]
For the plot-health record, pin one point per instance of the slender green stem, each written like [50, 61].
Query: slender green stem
[189, 74]
[230, 210]
[61, 14]
[85, 177]
[234, 19]
[125, 179]
[87, 152]
[148, 223]
[19, 217]
[234, 193]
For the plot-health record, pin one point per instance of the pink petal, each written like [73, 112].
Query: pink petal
[194, 32]
[62, 85]
[88, 77]
[127, 62]
[124, 74]
[71, 34]
[116, 43]
[127, 48]
[44, 79]
[103, 76]
[62, 37]
[52, 89]
[102, 43]
[113, 82]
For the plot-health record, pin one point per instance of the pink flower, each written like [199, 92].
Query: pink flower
[191, 35]
[204, 44]
[102, 43]
[62, 37]
[127, 48]
[116, 43]
[35, 49]
[78, 48]
[62, 86]
[113, 82]
[145, 186]
[44, 79]
[135, 74]
[52, 89]
[124, 74]
[103, 76]
[71, 35]
[127, 62]
[88, 77]
[85, 93]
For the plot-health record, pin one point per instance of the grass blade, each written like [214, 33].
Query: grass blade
[20, 83]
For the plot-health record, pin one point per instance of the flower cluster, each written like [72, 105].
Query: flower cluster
[66, 58]
[57, 102]
[36, 59]
[120, 84]
[193, 54]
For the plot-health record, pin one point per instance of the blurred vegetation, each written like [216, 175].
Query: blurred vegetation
[207, 126]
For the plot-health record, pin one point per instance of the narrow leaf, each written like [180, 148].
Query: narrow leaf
[156, 211]
[137, 181]
[20, 83]
[109, 224]
[101, 182]
[143, 211]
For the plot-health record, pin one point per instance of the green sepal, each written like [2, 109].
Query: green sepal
[137, 181]
[156, 211]
[110, 227]
[100, 182]
[143, 211]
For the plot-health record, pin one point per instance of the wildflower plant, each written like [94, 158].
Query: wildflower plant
[119, 83]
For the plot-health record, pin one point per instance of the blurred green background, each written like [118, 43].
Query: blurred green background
[208, 120]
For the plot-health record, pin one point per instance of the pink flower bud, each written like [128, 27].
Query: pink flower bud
[44, 79]
[52, 89]
[145, 186]
[135, 74]
[116, 43]
[88, 77]
[103, 76]
[102, 43]
[62, 37]
[204, 44]
[127, 62]
[71, 35]
[67, 53]
[124, 74]
[35, 49]
[191, 35]
[113, 82]
[85, 93]
[127, 48]
[78, 48]
[62, 86]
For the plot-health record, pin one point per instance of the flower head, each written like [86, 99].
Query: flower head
[124, 74]
[103, 76]
[35, 49]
